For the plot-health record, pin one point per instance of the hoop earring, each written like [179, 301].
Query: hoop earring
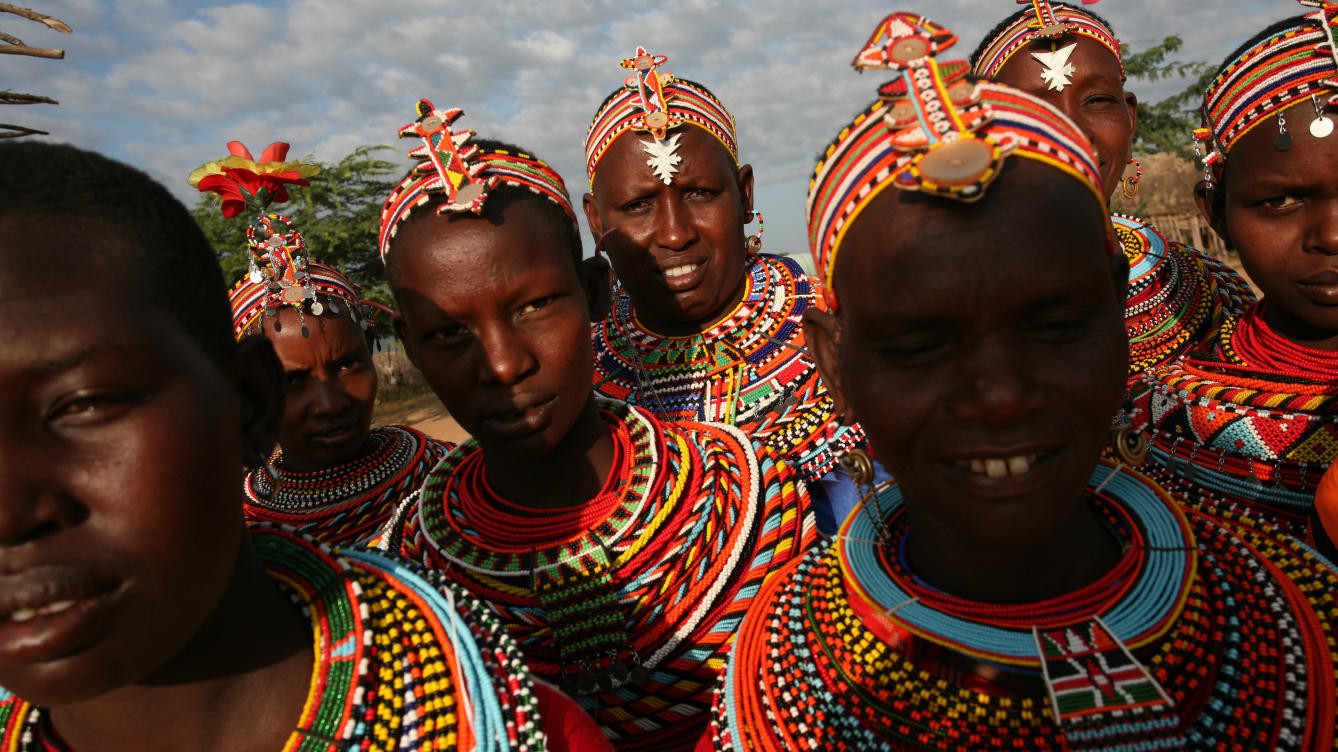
[599, 241]
[1129, 444]
[859, 466]
[755, 241]
[1129, 185]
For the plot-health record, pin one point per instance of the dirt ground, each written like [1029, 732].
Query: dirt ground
[421, 411]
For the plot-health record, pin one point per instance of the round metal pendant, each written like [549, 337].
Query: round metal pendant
[316, 308]
[432, 123]
[961, 91]
[903, 111]
[1321, 127]
[256, 278]
[1283, 141]
[957, 163]
[643, 62]
[292, 294]
[657, 120]
[468, 194]
[910, 49]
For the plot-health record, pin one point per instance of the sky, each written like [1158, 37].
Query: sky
[164, 86]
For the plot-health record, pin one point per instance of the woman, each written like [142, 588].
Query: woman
[704, 326]
[619, 549]
[137, 611]
[1069, 57]
[1011, 592]
[334, 476]
[1251, 424]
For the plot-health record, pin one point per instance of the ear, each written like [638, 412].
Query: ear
[597, 282]
[402, 331]
[592, 218]
[822, 332]
[1209, 199]
[746, 186]
[257, 377]
[1132, 102]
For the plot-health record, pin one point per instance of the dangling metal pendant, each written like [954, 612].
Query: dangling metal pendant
[316, 308]
[1321, 126]
[1284, 139]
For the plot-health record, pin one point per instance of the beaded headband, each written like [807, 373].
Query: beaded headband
[933, 130]
[1046, 22]
[1296, 64]
[280, 271]
[655, 102]
[463, 172]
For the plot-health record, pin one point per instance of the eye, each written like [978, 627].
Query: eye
[294, 380]
[352, 364]
[700, 194]
[536, 305]
[86, 409]
[635, 206]
[1057, 328]
[1280, 203]
[447, 333]
[918, 350]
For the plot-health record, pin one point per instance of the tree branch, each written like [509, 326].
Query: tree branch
[18, 49]
[32, 15]
[10, 97]
[11, 39]
[19, 130]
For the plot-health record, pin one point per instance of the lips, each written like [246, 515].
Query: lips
[520, 417]
[49, 612]
[335, 435]
[1321, 288]
[681, 274]
[1004, 473]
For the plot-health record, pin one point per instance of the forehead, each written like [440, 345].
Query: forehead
[1309, 160]
[1035, 234]
[626, 157]
[1090, 59]
[335, 332]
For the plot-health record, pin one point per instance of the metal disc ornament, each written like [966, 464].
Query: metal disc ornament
[960, 162]
[468, 193]
[1321, 127]
[908, 50]
[432, 123]
[256, 277]
[292, 294]
[657, 120]
[316, 308]
[1284, 141]
[643, 62]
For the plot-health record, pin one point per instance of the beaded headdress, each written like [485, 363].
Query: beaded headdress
[454, 167]
[655, 102]
[1297, 64]
[932, 130]
[1046, 22]
[280, 271]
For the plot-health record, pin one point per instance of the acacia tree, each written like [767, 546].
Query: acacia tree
[1168, 125]
[339, 216]
[12, 45]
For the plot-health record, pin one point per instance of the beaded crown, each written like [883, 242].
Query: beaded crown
[1296, 64]
[654, 101]
[932, 130]
[1044, 22]
[452, 166]
[281, 272]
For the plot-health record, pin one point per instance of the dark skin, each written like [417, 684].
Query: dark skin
[329, 388]
[494, 311]
[1095, 100]
[678, 249]
[156, 627]
[1279, 210]
[1005, 339]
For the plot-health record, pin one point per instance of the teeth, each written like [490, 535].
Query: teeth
[1000, 468]
[680, 271]
[28, 614]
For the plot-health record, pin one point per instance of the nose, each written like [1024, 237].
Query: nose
[1322, 230]
[675, 229]
[994, 385]
[507, 357]
[32, 503]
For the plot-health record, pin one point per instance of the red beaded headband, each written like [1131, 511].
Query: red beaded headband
[1045, 22]
[933, 131]
[461, 171]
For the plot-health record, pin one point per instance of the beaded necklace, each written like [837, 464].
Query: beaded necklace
[1219, 635]
[349, 503]
[750, 370]
[403, 661]
[1243, 427]
[631, 600]
[1177, 297]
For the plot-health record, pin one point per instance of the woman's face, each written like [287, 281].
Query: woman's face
[120, 467]
[329, 388]
[1095, 98]
[494, 313]
[678, 249]
[985, 353]
[1279, 210]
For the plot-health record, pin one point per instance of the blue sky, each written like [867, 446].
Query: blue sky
[165, 85]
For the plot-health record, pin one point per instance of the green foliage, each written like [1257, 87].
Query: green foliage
[339, 216]
[1168, 125]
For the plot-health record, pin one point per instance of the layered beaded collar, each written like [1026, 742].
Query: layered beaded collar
[1177, 297]
[1251, 425]
[1204, 635]
[750, 370]
[402, 660]
[348, 503]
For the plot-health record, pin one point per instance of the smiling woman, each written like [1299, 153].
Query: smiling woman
[703, 326]
[1011, 591]
[333, 476]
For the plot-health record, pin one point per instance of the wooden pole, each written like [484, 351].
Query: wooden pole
[32, 15]
[19, 130]
[10, 97]
[18, 49]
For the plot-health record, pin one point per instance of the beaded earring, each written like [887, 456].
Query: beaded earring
[755, 240]
[860, 467]
[1129, 184]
